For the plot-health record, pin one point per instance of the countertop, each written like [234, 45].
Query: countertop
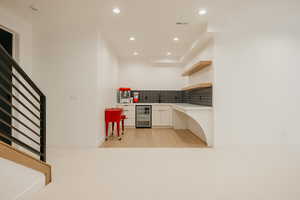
[187, 106]
[132, 104]
[178, 106]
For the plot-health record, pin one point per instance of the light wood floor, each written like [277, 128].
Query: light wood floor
[156, 137]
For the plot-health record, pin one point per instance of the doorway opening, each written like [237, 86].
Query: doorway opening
[7, 42]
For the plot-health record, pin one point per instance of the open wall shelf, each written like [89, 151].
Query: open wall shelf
[197, 67]
[199, 85]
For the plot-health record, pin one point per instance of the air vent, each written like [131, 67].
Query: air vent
[33, 8]
[182, 23]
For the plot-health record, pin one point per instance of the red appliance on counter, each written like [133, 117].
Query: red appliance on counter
[125, 95]
[136, 97]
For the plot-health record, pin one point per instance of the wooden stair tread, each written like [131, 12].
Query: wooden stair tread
[11, 153]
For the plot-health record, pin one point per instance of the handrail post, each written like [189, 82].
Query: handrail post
[43, 127]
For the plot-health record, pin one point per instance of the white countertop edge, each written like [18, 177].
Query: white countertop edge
[186, 106]
[182, 106]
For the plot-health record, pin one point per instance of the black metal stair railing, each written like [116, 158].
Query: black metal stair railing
[22, 108]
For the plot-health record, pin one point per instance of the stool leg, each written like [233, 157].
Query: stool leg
[106, 131]
[123, 127]
[118, 129]
[112, 128]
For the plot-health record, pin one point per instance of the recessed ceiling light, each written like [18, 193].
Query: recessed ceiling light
[202, 12]
[169, 53]
[132, 38]
[176, 39]
[135, 53]
[116, 10]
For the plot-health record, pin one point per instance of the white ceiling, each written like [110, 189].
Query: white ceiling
[151, 22]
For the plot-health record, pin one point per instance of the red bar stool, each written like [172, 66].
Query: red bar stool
[123, 117]
[113, 115]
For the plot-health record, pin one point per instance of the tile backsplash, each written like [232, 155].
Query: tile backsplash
[201, 96]
[160, 96]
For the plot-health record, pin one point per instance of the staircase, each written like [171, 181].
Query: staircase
[22, 118]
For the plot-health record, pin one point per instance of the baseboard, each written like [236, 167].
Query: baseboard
[101, 141]
[130, 127]
[162, 126]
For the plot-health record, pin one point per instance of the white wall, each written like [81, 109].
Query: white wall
[146, 76]
[77, 82]
[257, 76]
[256, 90]
[108, 79]
[74, 66]
[65, 63]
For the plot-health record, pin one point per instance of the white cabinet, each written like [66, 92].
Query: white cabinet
[155, 117]
[161, 115]
[129, 111]
[166, 117]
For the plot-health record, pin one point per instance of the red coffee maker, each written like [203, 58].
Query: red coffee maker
[136, 97]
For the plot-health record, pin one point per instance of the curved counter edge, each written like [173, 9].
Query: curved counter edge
[203, 115]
